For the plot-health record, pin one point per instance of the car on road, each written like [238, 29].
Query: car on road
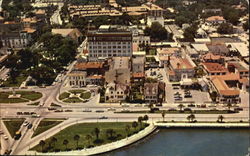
[99, 111]
[1, 132]
[68, 110]
[30, 126]
[176, 87]
[87, 110]
[177, 93]
[111, 109]
[25, 123]
[5, 137]
[60, 110]
[171, 109]
[51, 108]
[19, 113]
[103, 117]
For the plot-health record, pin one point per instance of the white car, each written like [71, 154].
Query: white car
[25, 123]
[5, 137]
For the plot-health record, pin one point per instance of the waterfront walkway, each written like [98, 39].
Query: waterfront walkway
[202, 125]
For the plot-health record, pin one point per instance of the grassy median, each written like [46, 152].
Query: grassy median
[26, 96]
[84, 135]
[13, 125]
[46, 124]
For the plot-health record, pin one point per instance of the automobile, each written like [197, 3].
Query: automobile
[176, 93]
[60, 110]
[125, 110]
[32, 113]
[111, 109]
[87, 110]
[125, 105]
[99, 111]
[238, 109]
[1, 132]
[187, 109]
[25, 123]
[187, 96]
[19, 113]
[103, 117]
[171, 109]
[51, 108]
[30, 126]
[191, 105]
[178, 99]
[68, 110]
[26, 113]
[203, 106]
[177, 96]
[5, 137]
[176, 88]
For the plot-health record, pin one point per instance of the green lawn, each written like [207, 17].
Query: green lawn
[85, 95]
[13, 125]
[84, 129]
[44, 125]
[33, 96]
[64, 96]
[73, 100]
[26, 96]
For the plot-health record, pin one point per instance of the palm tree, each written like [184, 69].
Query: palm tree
[110, 132]
[163, 114]
[229, 105]
[134, 125]
[127, 129]
[180, 106]
[97, 132]
[145, 118]
[54, 140]
[42, 143]
[151, 106]
[220, 118]
[76, 138]
[88, 137]
[65, 142]
[191, 117]
[140, 118]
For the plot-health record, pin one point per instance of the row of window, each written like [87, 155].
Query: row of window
[109, 47]
[109, 43]
[108, 51]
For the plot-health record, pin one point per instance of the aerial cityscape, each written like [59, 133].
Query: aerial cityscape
[124, 77]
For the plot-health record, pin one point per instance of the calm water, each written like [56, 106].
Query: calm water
[190, 142]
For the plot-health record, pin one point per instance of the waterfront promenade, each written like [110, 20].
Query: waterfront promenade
[142, 134]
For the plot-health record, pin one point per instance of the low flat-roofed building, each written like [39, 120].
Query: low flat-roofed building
[201, 48]
[214, 68]
[138, 64]
[218, 48]
[241, 47]
[92, 68]
[119, 71]
[227, 87]
[237, 67]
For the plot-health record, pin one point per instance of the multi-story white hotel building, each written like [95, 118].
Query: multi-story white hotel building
[109, 41]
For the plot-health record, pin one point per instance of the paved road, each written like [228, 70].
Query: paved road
[56, 18]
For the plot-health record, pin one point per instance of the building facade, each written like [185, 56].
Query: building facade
[109, 42]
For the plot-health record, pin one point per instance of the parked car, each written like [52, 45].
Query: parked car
[30, 126]
[176, 93]
[103, 117]
[60, 110]
[68, 110]
[5, 137]
[99, 111]
[1, 132]
[187, 109]
[87, 110]
[191, 105]
[238, 109]
[171, 109]
[25, 123]
[176, 87]
[111, 109]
